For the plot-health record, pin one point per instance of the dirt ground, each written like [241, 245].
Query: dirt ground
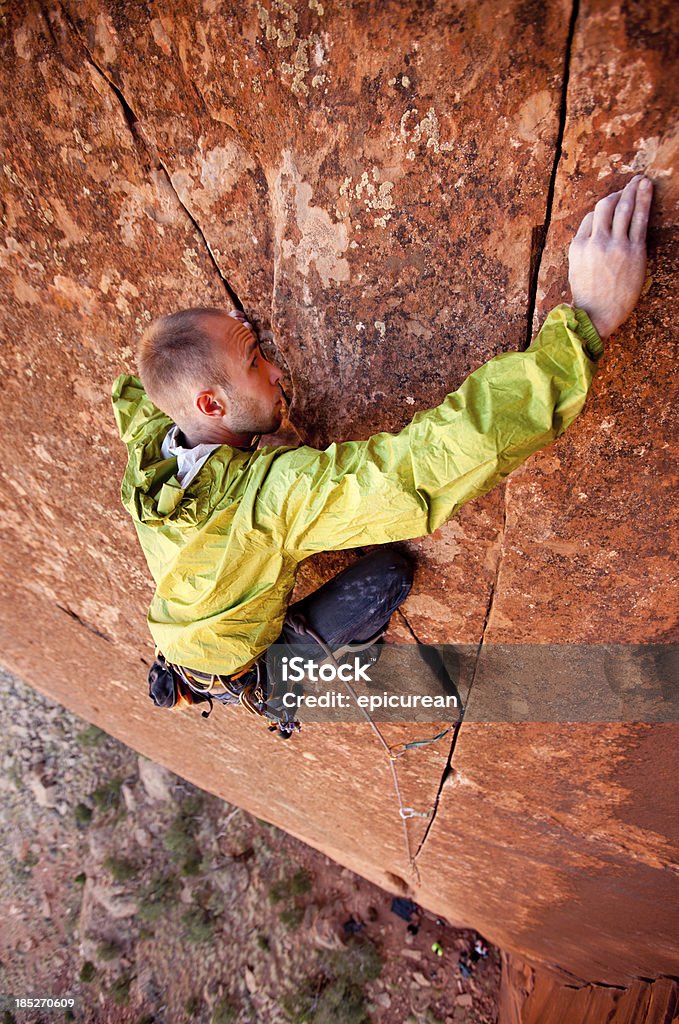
[138, 898]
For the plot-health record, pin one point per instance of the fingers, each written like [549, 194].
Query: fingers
[603, 214]
[625, 208]
[237, 314]
[622, 214]
[642, 209]
[585, 229]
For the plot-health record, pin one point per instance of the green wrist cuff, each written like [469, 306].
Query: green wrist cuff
[594, 346]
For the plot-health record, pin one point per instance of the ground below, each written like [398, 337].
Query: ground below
[143, 900]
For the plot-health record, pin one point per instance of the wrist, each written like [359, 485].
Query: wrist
[588, 330]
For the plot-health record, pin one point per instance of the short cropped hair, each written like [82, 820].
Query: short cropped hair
[176, 353]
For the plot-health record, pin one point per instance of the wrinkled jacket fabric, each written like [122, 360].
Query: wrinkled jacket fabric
[224, 551]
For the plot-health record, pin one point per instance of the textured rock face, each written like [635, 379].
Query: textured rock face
[391, 198]
[547, 996]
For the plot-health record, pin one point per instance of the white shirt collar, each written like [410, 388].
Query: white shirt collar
[190, 461]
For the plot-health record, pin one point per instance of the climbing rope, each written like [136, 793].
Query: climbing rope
[298, 623]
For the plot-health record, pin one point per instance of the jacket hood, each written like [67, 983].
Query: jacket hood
[150, 490]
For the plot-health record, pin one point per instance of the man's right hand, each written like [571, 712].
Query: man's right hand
[607, 257]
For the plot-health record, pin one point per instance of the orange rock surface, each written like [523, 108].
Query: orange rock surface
[391, 194]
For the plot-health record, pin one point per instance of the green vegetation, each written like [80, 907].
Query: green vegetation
[121, 868]
[80, 879]
[107, 950]
[120, 989]
[199, 924]
[179, 838]
[263, 943]
[83, 814]
[290, 891]
[193, 1005]
[291, 917]
[335, 995]
[224, 1012]
[108, 796]
[90, 736]
[158, 897]
[87, 971]
[298, 885]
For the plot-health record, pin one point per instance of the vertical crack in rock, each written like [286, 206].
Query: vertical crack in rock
[143, 144]
[538, 240]
[493, 589]
[233, 298]
[539, 236]
[448, 768]
[444, 775]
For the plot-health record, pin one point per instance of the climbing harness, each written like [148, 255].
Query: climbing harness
[173, 686]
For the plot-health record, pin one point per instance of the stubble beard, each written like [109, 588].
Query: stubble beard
[250, 417]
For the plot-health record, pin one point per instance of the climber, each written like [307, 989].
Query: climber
[224, 524]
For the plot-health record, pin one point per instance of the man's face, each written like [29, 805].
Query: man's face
[255, 398]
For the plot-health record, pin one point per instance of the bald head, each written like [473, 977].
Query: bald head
[178, 356]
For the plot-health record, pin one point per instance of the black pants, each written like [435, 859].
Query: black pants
[356, 603]
[350, 608]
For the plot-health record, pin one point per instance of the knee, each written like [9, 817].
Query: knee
[404, 566]
[398, 569]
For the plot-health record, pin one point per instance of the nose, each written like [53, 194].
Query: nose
[275, 373]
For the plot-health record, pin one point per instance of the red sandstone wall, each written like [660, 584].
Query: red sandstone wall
[391, 196]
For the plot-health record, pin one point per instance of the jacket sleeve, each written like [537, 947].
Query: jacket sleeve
[398, 486]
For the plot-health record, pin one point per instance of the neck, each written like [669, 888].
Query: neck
[219, 435]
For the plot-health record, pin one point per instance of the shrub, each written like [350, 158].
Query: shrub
[108, 796]
[87, 972]
[120, 989]
[291, 917]
[224, 1012]
[83, 814]
[90, 736]
[199, 925]
[335, 995]
[300, 883]
[288, 888]
[179, 838]
[158, 897]
[108, 950]
[121, 868]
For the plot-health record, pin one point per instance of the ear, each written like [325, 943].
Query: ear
[209, 404]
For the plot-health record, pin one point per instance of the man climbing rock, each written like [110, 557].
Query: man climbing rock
[224, 524]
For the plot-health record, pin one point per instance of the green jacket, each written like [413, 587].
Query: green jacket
[224, 552]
